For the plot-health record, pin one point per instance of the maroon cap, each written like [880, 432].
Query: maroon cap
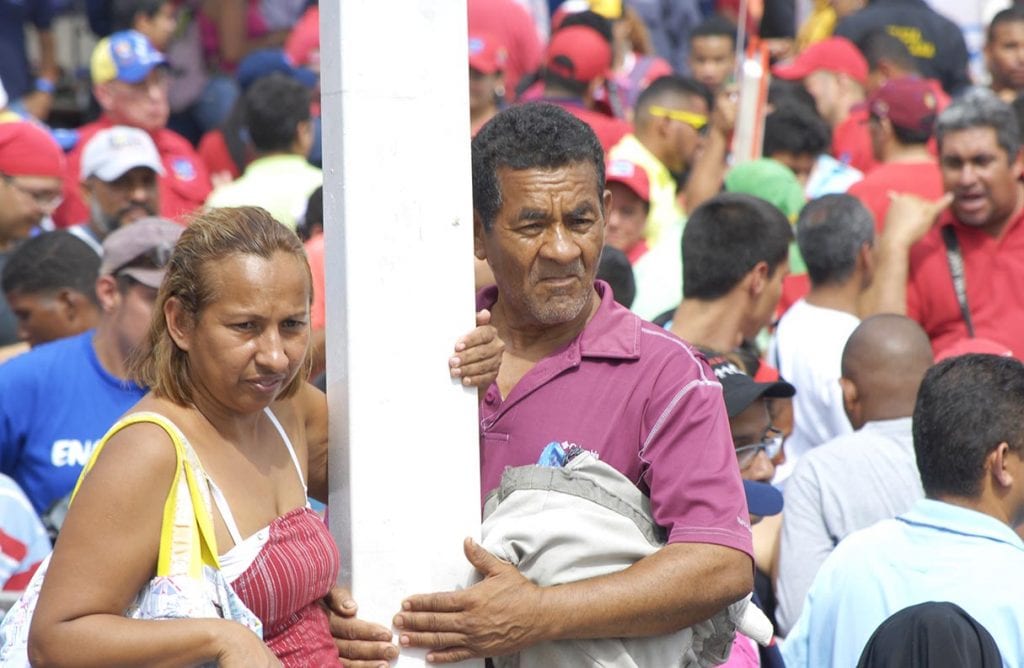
[631, 175]
[579, 53]
[908, 103]
[486, 53]
[835, 54]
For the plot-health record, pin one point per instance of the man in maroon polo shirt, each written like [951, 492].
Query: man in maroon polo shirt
[981, 163]
[581, 369]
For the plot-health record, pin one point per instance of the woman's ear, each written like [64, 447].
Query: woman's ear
[180, 323]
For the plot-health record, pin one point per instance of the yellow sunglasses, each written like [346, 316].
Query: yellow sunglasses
[695, 121]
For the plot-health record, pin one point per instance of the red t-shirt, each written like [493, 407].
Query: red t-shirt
[994, 274]
[918, 178]
[851, 142]
[213, 151]
[183, 186]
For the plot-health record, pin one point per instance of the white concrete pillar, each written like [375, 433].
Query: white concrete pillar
[398, 217]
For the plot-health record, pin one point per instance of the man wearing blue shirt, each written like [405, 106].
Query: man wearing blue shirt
[59, 399]
[957, 544]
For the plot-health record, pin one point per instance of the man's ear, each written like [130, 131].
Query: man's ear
[851, 397]
[999, 465]
[107, 293]
[479, 250]
[179, 323]
[1017, 165]
[757, 278]
[103, 95]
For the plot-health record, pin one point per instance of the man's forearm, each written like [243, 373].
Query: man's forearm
[47, 56]
[708, 173]
[888, 291]
[678, 586]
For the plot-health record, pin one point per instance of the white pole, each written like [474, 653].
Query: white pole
[397, 188]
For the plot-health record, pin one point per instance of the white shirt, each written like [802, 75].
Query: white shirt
[807, 349]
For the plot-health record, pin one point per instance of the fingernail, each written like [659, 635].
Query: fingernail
[467, 381]
[460, 346]
[406, 605]
[454, 362]
[399, 622]
[404, 640]
[348, 604]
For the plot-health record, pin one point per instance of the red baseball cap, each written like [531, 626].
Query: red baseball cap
[835, 54]
[631, 175]
[908, 102]
[26, 149]
[486, 53]
[579, 53]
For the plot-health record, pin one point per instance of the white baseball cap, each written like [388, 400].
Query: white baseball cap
[113, 151]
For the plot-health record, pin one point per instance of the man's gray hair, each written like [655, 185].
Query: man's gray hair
[830, 232]
[981, 108]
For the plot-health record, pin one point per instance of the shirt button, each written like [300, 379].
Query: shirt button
[490, 397]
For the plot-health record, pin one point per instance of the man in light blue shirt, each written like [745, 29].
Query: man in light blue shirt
[955, 545]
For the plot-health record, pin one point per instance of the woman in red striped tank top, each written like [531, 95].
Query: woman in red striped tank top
[225, 359]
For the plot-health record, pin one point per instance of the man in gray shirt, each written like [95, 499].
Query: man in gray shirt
[856, 479]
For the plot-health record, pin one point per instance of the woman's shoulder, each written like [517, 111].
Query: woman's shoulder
[306, 405]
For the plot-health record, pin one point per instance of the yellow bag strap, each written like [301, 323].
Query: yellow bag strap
[187, 523]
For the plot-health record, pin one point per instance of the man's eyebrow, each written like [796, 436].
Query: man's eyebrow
[583, 209]
[532, 214]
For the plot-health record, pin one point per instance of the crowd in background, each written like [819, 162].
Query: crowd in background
[891, 239]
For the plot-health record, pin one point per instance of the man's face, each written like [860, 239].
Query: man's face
[627, 217]
[1004, 55]
[41, 317]
[141, 105]
[801, 164]
[750, 427]
[132, 315]
[982, 178]
[824, 88]
[481, 89]
[545, 243]
[712, 60]
[683, 139]
[24, 202]
[128, 198]
[159, 28]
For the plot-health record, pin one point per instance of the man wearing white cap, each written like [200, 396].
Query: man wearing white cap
[118, 176]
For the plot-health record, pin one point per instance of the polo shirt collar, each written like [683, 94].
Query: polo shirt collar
[948, 218]
[613, 332]
[957, 519]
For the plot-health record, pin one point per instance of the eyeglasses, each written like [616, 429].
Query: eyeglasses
[156, 257]
[771, 443]
[696, 121]
[45, 200]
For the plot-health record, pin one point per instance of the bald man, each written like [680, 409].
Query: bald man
[857, 479]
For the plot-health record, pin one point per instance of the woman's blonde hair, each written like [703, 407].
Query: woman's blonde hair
[158, 363]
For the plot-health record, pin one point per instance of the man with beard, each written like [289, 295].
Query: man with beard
[962, 279]
[118, 176]
[581, 369]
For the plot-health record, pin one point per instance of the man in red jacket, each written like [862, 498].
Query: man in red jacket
[130, 83]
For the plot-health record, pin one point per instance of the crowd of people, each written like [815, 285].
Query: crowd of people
[783, 390]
